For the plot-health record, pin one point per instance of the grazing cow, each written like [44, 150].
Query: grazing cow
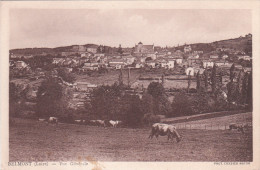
[163, 130]
[113, 123]
[80, 121]
[42, 120]
[77, 121]
[238, 127]
[101, 123]
[53, 120]
[93, 122]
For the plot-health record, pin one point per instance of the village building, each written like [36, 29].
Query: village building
[214, 56]
[68, 53]
[140, 48]
[129, 59]
[245, 57]
[139, 65]
[57, 61]
[78, 48]
[197, 52]
[190, 71]
[165, 63]
[85, 86]
[194, 61]
[199, 70]
[117, 63]
[151, 64]
[249, 35]
[92, 48]
[207, 63]
[187, 48]
[247, 69]
[86, 54]
[224, 56]
[90, 66]
[20, 64]
[223, 63]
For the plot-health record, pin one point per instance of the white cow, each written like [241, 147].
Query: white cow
[53, 120]
[42, 120]
[163, 130]
[80, 121]
[77, 121]
[115, 123]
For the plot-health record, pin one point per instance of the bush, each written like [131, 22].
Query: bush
[149, 119]
[181, 105]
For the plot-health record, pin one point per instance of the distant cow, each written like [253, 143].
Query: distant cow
[114, 123]
[238, 127]
[93, 122]
[80, 121]
[101, 123]
[163, 130]
[42, 120]
[77, 121]
[53, 120]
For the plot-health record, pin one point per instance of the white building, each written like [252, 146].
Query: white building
[208, 63]
[190, 71]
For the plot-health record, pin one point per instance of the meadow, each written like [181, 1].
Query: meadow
[30, 140]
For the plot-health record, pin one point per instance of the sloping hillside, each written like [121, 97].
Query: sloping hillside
[242, 44]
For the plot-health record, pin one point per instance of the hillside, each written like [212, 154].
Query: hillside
[241, 43]
[35, 51]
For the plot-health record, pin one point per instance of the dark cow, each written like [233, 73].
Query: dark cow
[165, 130]
[238, 127]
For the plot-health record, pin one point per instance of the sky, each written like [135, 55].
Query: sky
[31, 28]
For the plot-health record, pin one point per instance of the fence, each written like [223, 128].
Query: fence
[203, 126]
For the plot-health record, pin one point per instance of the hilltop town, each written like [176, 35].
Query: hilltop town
[80, 69]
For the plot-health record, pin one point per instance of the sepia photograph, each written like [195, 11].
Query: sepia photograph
[130, 85]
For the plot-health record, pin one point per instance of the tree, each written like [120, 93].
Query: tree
[163, 79]
[155, 89]
[244, 88]
[134, 114]
[198, 82]
[206, 79]
[181, 105]
[49, 98]
[120, 50]
[147, 104]
[66, 76]
[120, 78]
[189, 81]
[13, 99]
[106, 101]
[213, 78]
[161, 104]
[232, 92]
[249, 92]
[232, 73]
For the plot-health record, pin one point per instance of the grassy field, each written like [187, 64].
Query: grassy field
[217, 123]
[34, 141]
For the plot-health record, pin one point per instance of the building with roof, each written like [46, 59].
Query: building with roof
[187, 48]
[140, 48]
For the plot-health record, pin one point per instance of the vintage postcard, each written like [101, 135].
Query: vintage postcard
[130, 85]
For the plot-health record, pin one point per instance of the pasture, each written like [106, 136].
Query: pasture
[30, 140]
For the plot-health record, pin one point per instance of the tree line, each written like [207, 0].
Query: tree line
[117, 103]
